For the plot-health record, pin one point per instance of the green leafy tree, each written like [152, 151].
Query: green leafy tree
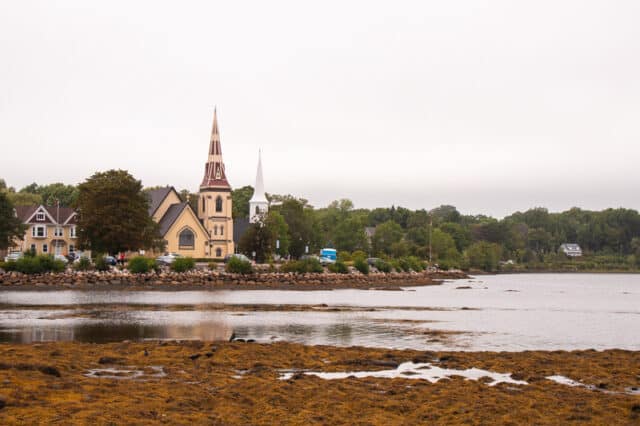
[260, 238]
[24, 198]
[387, 234]
[11, 227]
[300, 220]
[279, 229]
[66, 194]
[240, 198]
[113, 214]
[484, 255]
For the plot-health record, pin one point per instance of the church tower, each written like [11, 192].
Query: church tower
[214, 203]
[258, 205]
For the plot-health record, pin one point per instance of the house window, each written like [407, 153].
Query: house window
[39, 231]
[45, 248]
[72, 232]
[218, 252]
[215, 230]
[221, 230]
[186, 239]
[72, 248]
[40, 216]
[58, 232]
[219, 204]
[33, 248]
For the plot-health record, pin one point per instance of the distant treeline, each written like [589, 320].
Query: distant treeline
[442, 234]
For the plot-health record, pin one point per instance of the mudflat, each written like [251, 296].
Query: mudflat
[193, 382]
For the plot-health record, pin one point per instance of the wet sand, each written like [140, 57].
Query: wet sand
[240, 383]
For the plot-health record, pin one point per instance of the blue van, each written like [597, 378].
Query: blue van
[329, 254]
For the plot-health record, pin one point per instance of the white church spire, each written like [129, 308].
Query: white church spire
[258, 205]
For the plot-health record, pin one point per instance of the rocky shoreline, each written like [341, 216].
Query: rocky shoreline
[209, 280]
[169, 382]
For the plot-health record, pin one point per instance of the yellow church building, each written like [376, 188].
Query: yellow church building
[207, 232]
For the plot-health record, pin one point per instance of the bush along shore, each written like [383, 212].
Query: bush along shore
[208, 279]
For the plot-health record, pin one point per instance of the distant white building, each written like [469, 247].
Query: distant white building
[571, 250]
[258, 205]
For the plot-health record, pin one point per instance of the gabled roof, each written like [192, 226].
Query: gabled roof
[156, 197]
[63, 215]
[172, 214]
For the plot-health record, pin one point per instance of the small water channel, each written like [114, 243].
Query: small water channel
[496, 312]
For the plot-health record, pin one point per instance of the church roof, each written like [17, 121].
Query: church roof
[172, 214]
[156, 197]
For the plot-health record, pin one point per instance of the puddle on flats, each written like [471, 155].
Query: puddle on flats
[562, 380]
[422, 371]
[130, 373]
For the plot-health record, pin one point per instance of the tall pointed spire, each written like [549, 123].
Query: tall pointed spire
[214, 175]
[258, 191]
[258, 205]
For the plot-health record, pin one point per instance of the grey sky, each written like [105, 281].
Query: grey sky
[493, 106]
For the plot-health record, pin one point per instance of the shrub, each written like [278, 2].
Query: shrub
[344, 256]
[35, 264]
[303, 266]
[382, 266]
[361, 265]
[358, 254]
[8, 266]
[238, 266]
[100, 263]
[213, 265]
[141, 265]
[403, 263]
[415, 264]
[338, 268]
[183, 264]
[84, 264]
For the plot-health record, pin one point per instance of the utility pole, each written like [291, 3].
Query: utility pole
[430, 234]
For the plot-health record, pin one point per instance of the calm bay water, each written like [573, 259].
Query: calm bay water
[503, 312]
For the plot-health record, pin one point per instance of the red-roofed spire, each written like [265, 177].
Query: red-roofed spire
[214, 175]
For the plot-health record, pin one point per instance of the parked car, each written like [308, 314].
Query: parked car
[167, 258]
[111, 260]
[12, 257]
[237, 256]
[61, 258]
[373, 260]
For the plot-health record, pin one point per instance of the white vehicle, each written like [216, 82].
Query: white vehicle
[12, 257]
[167, 258]
[61, 258]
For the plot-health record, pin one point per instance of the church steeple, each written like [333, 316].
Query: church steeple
[214, 174]
[258, 205]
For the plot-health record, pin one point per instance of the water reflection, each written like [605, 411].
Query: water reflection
[508, 313]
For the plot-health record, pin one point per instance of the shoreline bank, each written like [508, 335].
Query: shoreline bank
[211, 280]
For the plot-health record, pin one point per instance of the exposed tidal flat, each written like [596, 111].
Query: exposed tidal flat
[283, 383]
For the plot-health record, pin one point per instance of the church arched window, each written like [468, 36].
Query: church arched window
[221, 229]
[186, 239]
[218, 252]
[203, 204]
[219, 204]
[257, 210]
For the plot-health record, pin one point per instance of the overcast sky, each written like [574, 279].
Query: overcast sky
[492, 106]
